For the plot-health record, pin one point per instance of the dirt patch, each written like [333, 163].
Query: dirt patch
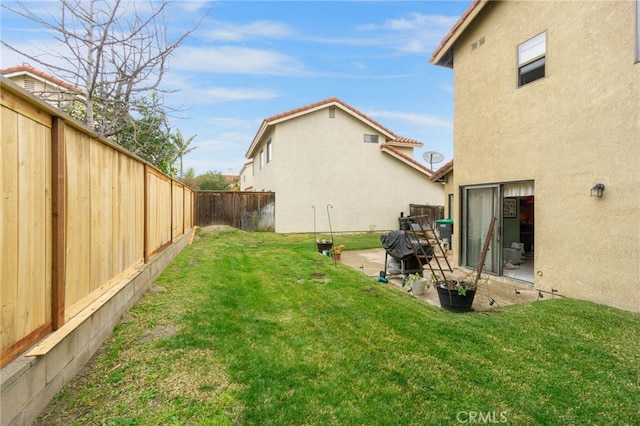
[214, 229]
[159, 332]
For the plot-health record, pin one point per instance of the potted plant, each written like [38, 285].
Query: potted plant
[336, 252]
[455, 295]
[417, 283]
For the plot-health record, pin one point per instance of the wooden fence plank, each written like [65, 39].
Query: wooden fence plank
[34, 200]
[9, 227]
[78, 224]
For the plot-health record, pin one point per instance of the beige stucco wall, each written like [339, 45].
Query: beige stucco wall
[319, 160]
[449, 188]
[578, 126]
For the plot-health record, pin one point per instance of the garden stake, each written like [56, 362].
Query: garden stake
[331, 231]
[329, 217]
[315, 239]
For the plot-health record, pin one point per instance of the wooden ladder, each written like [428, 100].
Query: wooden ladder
[420, 232]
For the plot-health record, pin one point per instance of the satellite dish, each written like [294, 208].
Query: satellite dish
[432, 157]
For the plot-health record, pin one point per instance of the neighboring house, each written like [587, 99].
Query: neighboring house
[232, 180]
[246, 177]
[329, 159]
[47, 87]
[445, 175]
[547, 106]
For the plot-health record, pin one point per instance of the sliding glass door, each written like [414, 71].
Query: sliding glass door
[481, 204]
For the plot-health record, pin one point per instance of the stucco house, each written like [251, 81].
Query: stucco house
[547, 140]
[246, 176]
[328, 156]
[45, 86]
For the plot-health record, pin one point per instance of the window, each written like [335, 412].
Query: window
[371, 138]
[531, 59]
[269, 153]
[261, 158]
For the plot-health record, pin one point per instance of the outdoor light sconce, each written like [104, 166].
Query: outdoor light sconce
[597, 190]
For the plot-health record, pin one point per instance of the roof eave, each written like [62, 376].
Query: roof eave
[406, 144]
[438, 175]
[443, 55]
[405, 159]
[256, 139]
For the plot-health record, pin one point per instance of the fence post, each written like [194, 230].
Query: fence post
[145, 243]
[58, 222]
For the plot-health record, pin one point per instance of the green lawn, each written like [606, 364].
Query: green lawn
[259, 329]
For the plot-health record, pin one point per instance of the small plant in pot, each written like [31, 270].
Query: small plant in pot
[417, 283]
[336, 252]
[455, 295]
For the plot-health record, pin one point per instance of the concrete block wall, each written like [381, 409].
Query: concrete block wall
[28, 383]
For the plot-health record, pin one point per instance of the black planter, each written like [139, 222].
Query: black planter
[324, 246]
[452, 301]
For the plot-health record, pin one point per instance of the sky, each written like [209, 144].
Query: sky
[249, 60]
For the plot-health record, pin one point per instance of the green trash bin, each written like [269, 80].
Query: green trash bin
[445, 231]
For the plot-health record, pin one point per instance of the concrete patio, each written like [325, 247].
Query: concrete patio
[502, 291]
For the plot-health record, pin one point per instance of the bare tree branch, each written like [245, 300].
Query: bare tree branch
[115, 53]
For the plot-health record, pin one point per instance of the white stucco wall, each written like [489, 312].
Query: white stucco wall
[246, 177]
[319, 160]
[578, 126]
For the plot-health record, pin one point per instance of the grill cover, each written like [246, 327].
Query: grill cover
[396, 245]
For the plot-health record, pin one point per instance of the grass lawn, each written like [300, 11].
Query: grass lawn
[259, 329]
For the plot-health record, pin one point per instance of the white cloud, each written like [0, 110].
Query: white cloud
[413, 118]
[47, 50]
[415, 22]
[213, 153]
[238, 60]
[254, 30]
[416, 33]
[194, 5]
[230, 122]
[221, 94]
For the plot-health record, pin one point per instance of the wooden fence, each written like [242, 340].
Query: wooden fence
[432, 212]
[77, 215]
[250, 211]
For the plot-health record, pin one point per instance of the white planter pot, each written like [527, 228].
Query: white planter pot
[417, 287]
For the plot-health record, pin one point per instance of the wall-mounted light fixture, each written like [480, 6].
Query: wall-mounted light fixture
[597, 190]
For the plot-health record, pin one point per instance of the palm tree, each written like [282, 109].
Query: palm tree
[181, 147]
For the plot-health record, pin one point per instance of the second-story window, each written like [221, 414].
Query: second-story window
[261, 158]
[532, 59]
[371, 138]
[269, 153]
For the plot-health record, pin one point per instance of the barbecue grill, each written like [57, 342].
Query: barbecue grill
[397, 246]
